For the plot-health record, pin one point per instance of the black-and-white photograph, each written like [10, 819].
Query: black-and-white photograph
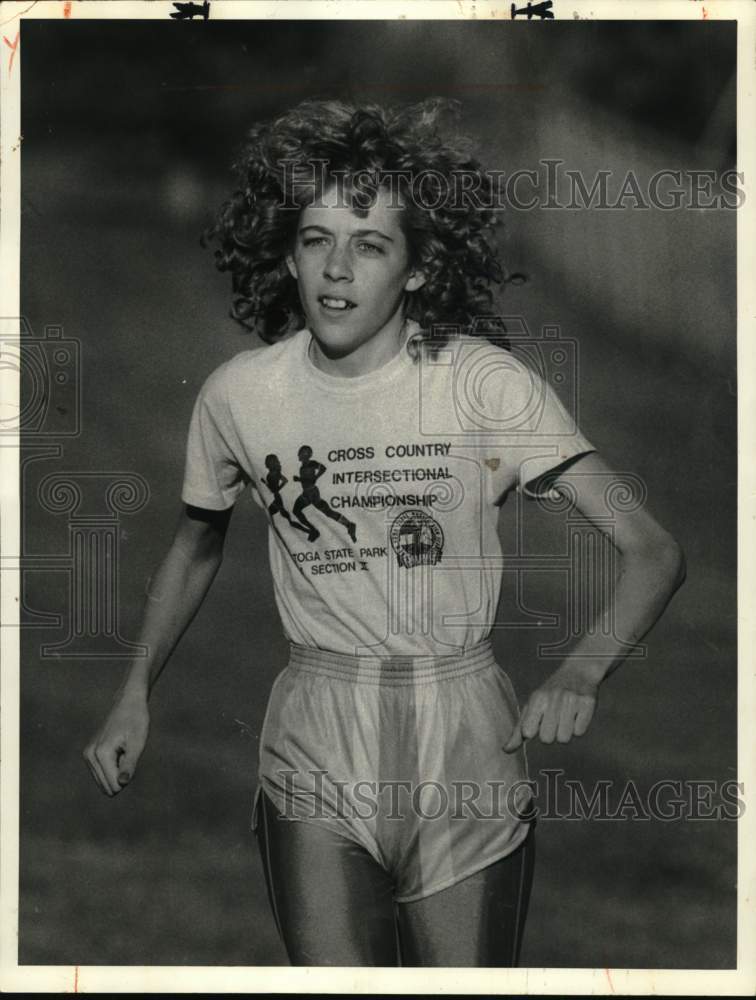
[377, 450]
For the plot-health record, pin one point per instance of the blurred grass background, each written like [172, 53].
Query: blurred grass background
[129, 130]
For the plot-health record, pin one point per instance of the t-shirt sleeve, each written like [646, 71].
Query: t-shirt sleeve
[213, 475]
[541, 435]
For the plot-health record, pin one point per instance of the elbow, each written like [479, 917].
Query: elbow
[669, 558]
[664, 558]
[677, 563]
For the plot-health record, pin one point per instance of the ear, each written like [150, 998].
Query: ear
[292, 266]
[416, 280]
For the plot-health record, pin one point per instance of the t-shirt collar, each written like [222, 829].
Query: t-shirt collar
[359, 383]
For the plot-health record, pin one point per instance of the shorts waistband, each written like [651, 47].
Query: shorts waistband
[370, 669]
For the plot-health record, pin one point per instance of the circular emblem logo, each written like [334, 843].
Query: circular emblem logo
[417, 539]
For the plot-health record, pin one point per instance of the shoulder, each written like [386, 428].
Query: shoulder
[482, 365]
[254, 370]
[475, 363]
[493, 388]
[461, 347]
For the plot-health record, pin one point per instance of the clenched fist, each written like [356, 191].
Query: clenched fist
[113, 754]
[562, 707]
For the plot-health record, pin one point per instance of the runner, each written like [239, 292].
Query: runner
[392, 811]
[275, 480]
[309, 473]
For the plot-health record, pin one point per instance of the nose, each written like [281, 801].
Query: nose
[337, 264]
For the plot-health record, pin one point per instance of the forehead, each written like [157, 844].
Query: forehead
[334, 210]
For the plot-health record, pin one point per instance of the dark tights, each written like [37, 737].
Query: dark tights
[333, 904]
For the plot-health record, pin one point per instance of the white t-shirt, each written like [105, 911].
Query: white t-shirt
[388, 542]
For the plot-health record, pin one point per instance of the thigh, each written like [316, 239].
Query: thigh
[476, 923]
[332, 902]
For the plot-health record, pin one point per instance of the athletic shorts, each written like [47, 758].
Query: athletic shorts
[403, 755]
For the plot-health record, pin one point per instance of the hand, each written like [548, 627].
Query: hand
[560, 708]
[113, 754]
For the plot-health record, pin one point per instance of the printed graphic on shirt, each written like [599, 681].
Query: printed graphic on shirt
[372, 482]
[309, 473]
[275, 480]
[417, 539]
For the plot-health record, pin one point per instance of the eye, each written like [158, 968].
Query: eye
[370, 247]
[310, 241]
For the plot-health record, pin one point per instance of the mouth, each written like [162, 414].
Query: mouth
[332, 303]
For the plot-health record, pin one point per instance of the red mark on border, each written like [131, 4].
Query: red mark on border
[704, 13]
[609, 980]
[76, 979]
[67, 8]
[13, 48]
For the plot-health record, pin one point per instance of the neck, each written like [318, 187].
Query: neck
[368, 357]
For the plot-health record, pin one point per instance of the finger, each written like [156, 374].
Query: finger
[550, 720]
[515, 740]
[106, 758]
[585, 711]
[92, 771]
[531, 717]
[567, 713]
[126, 767]
[96, 772]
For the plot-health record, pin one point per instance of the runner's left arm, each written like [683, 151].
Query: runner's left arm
[651, 569]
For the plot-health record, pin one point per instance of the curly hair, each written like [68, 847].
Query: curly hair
[358, 146]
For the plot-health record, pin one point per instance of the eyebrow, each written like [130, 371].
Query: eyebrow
[357, 232]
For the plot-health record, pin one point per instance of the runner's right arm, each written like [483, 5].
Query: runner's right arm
[175, 594]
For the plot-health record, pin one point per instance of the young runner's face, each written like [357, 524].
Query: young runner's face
[352, 274]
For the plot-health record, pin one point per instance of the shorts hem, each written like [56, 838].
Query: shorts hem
[324, 823]
[477, 867]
